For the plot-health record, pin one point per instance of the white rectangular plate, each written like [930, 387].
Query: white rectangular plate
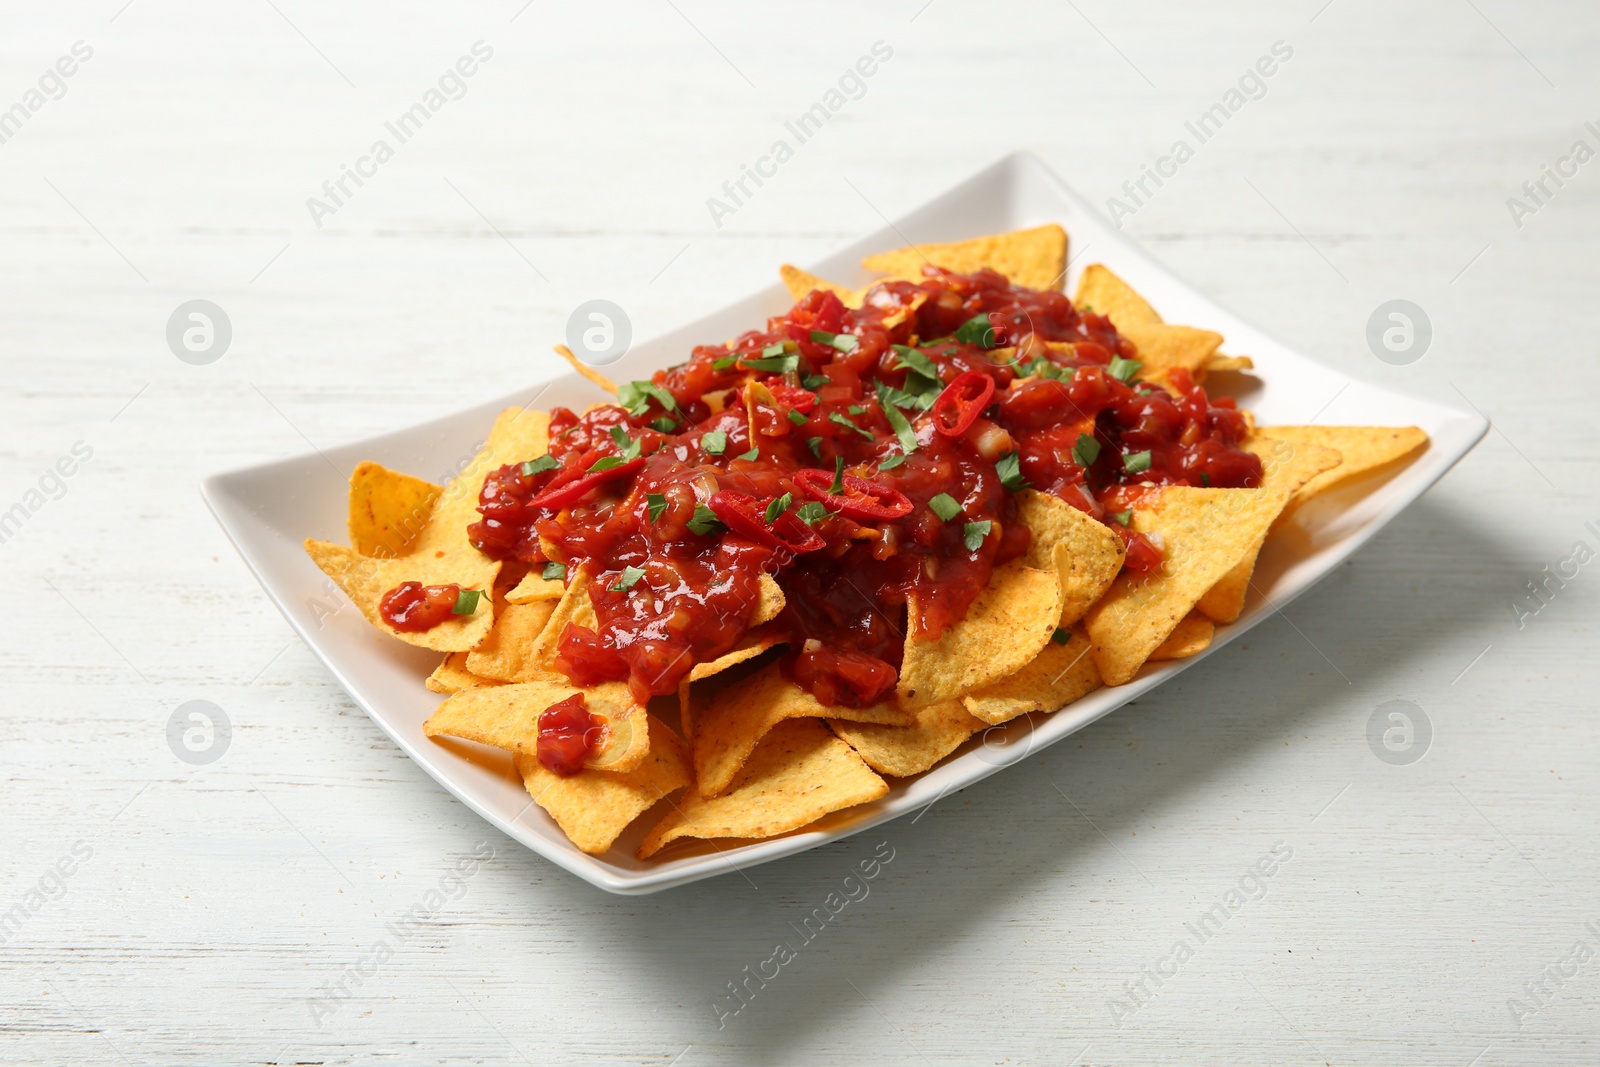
[268, 510]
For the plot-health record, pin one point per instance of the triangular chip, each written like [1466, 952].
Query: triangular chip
[1365, 450]
[507, 653]
[507, 716]
[1204, 533]
[1162, 347]
[1009, 621]
[1104, 293]
[1034, 259]
[772, 600]
[535, 586]
[594, 807]
[750, 646]
[1226, 363]
[798, 774]
[441, 553]
[1191, 637]
[902, 751]
[1081, 549]
[1058, 675]
[574, 608]
[1285, 468]
[452, 676]
[731, 725]
[587, 371]
[388, 510]
[800, 283]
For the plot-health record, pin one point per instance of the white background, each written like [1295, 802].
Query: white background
[219, 900]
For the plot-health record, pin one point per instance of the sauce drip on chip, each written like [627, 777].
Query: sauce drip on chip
[568, 735]
[864, 458]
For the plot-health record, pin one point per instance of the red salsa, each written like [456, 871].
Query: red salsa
[568, 735]
[411, 607]
[862, 457]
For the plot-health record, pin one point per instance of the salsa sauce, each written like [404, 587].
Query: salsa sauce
[864, 458]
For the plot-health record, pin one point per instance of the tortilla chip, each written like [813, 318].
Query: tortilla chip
[1057, 676]
[452, 675]
[507, 716]
[1034, 259]
[573, 608]
[1205, 533]
[388, 510]
[441, 553]
[902, 751]
[1009, 621]
[1365, 450]
[734, 721]
[1104, 293]
[587, 371]
[1189, 638]
[1083, 551]
[507, 653]
[800, 283]
[798, 774]
[771, 603]
[1163, 347]
[1225, 363]
[1285, 468]
[594, 807]
[535, 586]
[749, 647]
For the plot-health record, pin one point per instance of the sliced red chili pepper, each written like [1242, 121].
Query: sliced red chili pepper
[962, 401]
[746, 516]
[568, 492]
[861, 499]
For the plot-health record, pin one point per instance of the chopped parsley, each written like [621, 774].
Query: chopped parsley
[714, 442]
[630, 578]
[1086, 451]
[704, 521]
[973, 534]
[1010, 470]
[554, 571]
[944, 505]
[656, 504]
[1123, 370]
[636, 397]
[1134, 462]
[537, 466]
[778, 507]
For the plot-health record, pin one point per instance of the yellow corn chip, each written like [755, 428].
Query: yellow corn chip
[1058, 675]
[1009, 621]
[731, 725]
[452, 675]
[1285, 468]
[1365, 449]
[1036, 258]
[800, 283]
[507, 716]
[798, 774]
[441, 553]
[534, 586]
[1204, 534]
[1224, 363]
[752, 645]
[1080, 549]
[594, 807]
[587, 371]
[1104, 293]
[507, 653]
[1191, 637]
[1162, 347]
[771, 603]
[573, 608]
[388, 510]
[902, 751]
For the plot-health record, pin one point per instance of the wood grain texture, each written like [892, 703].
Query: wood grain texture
[220, 907]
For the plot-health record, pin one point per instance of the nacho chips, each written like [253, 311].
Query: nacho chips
[1034, 259]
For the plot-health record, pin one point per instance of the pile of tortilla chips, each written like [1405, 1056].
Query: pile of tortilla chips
[753, 755]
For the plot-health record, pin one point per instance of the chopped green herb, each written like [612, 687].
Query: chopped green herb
[704, 521]
[812, 513]
[630, 447]
[725, 363]
[1010, 470]
[944, 505]
[778, 507]
[665, 424]
[656, 505]
[977, 331]
[537, 466]
[911, 359]
[835, 417]
[774, 349]
[1086, 451]
[1044, 368]
[605, 463]
[857, 409]
[752, 455]
[714, 443]
[902, 428]
[837, 488]
[630, 577]
[815, 444]
[1135, 462]
[973, 534]
[1123, 370]
[1123, 517]
[796, 417]
[892, 462]
[1205, 479]
[813, 382]
[555, 571]
[775, 365]
[1061, 636]
[466, 602]
[843, 342]
[636, 397]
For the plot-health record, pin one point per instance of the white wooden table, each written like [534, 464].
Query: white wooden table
[274, 906]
